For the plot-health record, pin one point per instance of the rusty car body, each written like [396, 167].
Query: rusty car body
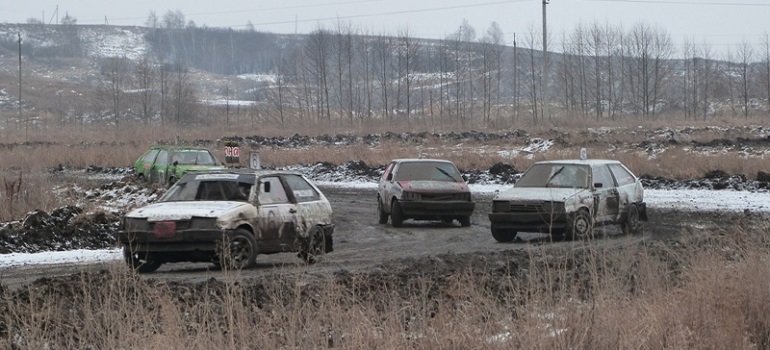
[228, 217]
[423, 189]
[568, 198]
[164, 165]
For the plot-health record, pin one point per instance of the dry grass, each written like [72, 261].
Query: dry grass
[713, 295]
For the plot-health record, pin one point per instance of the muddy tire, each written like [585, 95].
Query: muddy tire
[465, 221]
[140, 261]
[503, 236]
[383, 215]
[238, 250]
[314, 247]
[396, 215]
[581, 226]
[633, 224]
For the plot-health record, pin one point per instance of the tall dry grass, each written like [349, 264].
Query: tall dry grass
[698, 294]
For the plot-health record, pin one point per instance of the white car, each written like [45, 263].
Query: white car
[569, 198]
[228, 217]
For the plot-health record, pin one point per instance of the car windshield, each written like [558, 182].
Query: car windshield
[207, 188]
[193, 157]
[555, 175]
[428, 171]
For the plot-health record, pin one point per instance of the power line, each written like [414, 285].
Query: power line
[390, 13]
[684, 2]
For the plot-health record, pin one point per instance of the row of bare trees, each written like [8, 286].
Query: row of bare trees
[349, 76]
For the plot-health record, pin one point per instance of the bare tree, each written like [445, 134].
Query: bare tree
[383, 52]
[745, 76]
[317, 50]
[146, 76]
[765, 76]
[113, 80]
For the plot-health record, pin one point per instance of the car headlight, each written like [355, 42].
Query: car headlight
[410, 196]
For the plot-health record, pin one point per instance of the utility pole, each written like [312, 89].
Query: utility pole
[20, 80]
[544, 84]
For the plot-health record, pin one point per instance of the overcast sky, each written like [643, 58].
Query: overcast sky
[720, 23]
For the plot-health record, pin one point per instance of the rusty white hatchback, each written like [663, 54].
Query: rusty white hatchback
[568, 198]
[227, 217]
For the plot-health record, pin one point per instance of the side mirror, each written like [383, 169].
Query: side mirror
[390, 177]
[176, 162]
[598, 184]
[465, 178]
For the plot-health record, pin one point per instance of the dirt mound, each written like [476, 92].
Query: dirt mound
[65, 228]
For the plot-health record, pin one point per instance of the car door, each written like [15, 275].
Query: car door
[311, 209]
[385, 189]
[143, 165]
[628, 189]
[159, 168]
[276, 213]
[606, 195]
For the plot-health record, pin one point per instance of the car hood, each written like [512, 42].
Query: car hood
[170, 211]
[433, 186]
[540, 193]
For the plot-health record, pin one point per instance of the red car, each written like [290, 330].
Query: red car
[423, 189]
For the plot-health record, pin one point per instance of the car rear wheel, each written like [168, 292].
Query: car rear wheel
[383, 215]
[632, 225]
[238, 250]
[503, 236]
[141, 262]
[315, 245]
[581, 226]
[465, 221]
[396, 215]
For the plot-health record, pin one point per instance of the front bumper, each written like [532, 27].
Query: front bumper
[437, 208]
[529, 222]
[180, 240]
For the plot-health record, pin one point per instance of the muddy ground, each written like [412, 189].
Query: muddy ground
[420, 248]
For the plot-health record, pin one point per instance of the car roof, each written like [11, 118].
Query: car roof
[179, 147]
[580, 161]
[420, 160]
[242, 171]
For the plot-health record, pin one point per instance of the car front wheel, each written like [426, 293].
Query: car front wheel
[141, 262]
[239, 250]
[503, 236]
[383, 215]
[396, 215]
[581, 226]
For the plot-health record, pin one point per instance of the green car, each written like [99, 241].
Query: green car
[166, 164]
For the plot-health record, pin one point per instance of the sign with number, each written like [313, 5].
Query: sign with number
[254, 161]
[232, 152]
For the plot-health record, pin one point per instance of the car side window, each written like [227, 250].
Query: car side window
[301, 189]
[162, 159]
[150, 156]
[271, 191]
[622, 175]
[602, 175]
[388, 170]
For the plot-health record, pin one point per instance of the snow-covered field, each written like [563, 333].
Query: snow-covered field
[695, 200]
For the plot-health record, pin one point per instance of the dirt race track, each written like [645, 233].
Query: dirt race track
[361, 245]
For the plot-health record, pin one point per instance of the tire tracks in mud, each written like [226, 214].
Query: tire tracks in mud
[419, 247]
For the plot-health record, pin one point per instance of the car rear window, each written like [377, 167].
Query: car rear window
[302, 190]
[193, 157]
